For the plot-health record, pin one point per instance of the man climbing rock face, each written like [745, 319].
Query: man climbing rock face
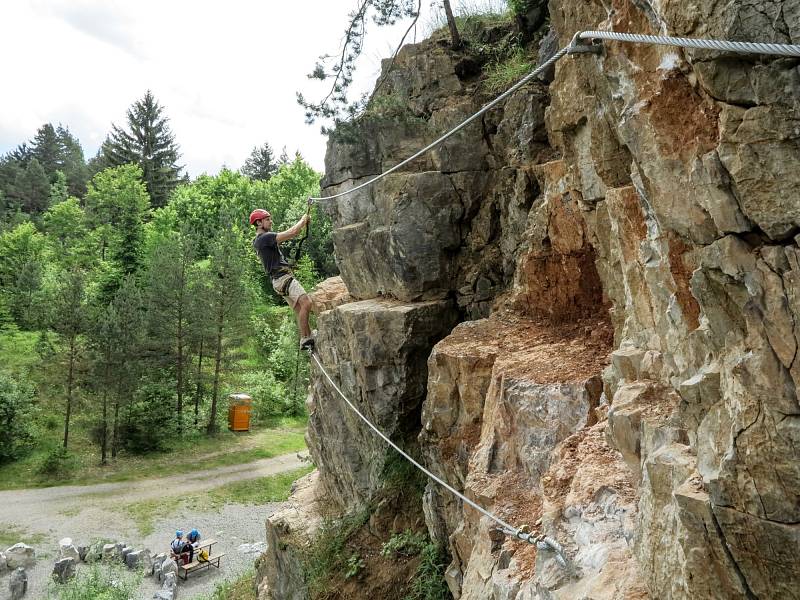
[267, 245]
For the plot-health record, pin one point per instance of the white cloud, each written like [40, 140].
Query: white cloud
[226, 73]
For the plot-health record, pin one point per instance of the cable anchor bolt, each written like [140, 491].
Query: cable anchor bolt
[579, 46]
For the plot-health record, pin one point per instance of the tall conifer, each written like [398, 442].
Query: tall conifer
[149, 143]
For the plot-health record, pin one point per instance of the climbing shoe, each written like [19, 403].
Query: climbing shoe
[307, 343]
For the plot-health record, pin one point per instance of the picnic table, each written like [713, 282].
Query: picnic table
[197, 565]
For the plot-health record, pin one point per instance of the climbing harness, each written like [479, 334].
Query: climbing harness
[577, 46]
[542, 542]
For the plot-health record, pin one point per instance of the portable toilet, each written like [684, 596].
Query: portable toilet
[239, 412]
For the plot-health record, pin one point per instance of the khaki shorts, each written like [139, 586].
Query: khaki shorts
[294, 291]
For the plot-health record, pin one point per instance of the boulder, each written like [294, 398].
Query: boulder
[3, 562]
[125, 551]
[20, 555]
[139, 559]
[18, 584]
[167, 567]
[64, 569]
[83, 552]
[169, 589]
[109, 550]
[67, 550]
[155, 565]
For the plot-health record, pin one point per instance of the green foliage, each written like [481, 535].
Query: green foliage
[18, 246]
[400, 477]
[407, 543]
[306, 273]
[32, 187]
[354, 566]
[58, 189]
[326, 554]
[65, 225]
[261, 164]
[242, 588]
[117, 203]
[519, 7]
[16, 412]
[429, 582]
[107, 582]
[58, 463]
[149, 143]
[503, 74]
[149, 421]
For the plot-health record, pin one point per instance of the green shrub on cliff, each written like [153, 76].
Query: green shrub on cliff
[429, 582]
[504, 73]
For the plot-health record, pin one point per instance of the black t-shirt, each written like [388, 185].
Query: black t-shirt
[266, 245]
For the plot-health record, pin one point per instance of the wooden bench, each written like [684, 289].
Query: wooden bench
[197, 565]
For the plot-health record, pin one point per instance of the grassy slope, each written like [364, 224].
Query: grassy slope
[203, 453]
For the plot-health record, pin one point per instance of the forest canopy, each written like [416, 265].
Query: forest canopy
[131, 295]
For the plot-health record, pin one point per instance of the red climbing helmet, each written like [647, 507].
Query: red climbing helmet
[257, 215]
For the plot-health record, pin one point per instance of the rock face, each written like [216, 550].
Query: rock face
[681, 161]
[376, 351]
[622, 251]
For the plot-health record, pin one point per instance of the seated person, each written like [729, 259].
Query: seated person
[181, 548]
[194, 538]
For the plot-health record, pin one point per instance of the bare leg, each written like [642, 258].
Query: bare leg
[302, 308]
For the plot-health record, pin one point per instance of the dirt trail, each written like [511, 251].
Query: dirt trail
[27, 508]
[90, 512]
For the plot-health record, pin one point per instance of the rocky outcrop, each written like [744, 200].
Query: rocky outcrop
[623, 249]
[693, 229]
[376, 352]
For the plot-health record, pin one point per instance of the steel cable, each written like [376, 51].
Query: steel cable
[542, 542]
[790, 50]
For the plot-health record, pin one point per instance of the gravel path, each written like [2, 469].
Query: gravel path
[85, 513]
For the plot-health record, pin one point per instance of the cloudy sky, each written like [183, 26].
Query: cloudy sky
[226, 72]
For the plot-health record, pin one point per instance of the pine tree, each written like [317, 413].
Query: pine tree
[46, 148]
[32, 188]
[116, 205]
[149, 143]
[69, 321]
[58, 189]
[57, 149]
[73, 163]
[169, 307]
[227, 300]
[261, 165]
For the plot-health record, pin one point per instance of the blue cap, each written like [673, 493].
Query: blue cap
[194, 532]
[179, 533]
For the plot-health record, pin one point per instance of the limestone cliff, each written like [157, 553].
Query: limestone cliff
[582, 311]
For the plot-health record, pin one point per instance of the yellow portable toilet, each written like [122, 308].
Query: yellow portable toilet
[239, 412]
